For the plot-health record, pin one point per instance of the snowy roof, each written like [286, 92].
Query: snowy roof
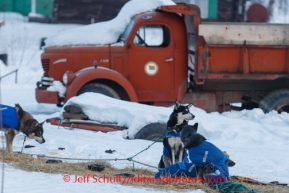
[105, 32]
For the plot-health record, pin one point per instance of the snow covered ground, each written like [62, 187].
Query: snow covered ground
[257, 142]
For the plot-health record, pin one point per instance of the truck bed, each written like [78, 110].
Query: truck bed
[242, 51]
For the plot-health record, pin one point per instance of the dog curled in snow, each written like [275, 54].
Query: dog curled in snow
[15, 120]
[209, 160]
[173, 150]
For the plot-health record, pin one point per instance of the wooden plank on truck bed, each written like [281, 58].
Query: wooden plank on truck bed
[253, 33]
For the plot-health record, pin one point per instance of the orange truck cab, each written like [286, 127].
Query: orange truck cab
[151, 60]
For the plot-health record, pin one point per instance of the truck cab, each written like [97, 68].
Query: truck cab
[147, 64]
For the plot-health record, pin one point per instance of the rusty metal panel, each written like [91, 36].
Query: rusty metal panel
[200, 66]
[204, 100]
[267, 60]
[286, 69]
[242, 62]
[223, 59]
[187, 9]
[44, 96]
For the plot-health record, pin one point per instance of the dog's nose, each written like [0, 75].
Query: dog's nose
[43, 140]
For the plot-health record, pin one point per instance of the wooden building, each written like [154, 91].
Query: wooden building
[86, 11]
[231, 10]
[91, 11]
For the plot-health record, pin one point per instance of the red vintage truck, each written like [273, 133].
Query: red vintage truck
[245, 63]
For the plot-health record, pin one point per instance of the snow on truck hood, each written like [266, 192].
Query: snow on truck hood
[105, 32]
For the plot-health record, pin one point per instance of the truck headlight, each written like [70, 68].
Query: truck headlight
[68, 77]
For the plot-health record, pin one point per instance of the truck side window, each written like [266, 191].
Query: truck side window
[152, 36]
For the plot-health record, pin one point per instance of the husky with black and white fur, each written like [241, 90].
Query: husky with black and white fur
[173, 150]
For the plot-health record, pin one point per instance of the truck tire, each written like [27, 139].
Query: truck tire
[99, 88]
[277, 100]
[152, 132]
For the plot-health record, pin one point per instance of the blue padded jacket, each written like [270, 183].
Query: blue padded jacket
[207, 152]
[8, 117]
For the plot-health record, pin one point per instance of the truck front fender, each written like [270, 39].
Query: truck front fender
[89, 74]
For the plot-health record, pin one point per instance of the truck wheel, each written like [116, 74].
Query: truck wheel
[152, 131]
[99, 88]
[277, 100]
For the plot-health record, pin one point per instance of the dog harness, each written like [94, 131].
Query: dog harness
[8, 117]
[169, 135]
[172, 134]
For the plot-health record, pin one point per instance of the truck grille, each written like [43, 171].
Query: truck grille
[45, 66]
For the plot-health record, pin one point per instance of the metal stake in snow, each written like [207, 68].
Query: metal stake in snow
[3, 148]
[2, 135]
[23, 144]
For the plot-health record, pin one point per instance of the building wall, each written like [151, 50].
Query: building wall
[43, 7]
[226, 10]
[68, 11]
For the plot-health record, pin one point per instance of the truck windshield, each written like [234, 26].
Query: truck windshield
[125, 34]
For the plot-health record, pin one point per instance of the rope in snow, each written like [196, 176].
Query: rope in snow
[80, 159]
[145, 164]
[88, 159]
[130, 158]
[115, 159]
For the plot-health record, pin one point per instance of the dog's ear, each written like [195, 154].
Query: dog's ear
[17, 106]
[41, 124]
[195, 127]
[177, 105]
[189, 106]
[19, 109]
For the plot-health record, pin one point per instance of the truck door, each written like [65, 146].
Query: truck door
[151, 59]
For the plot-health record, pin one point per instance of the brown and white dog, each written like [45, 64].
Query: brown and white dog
[27, 125]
